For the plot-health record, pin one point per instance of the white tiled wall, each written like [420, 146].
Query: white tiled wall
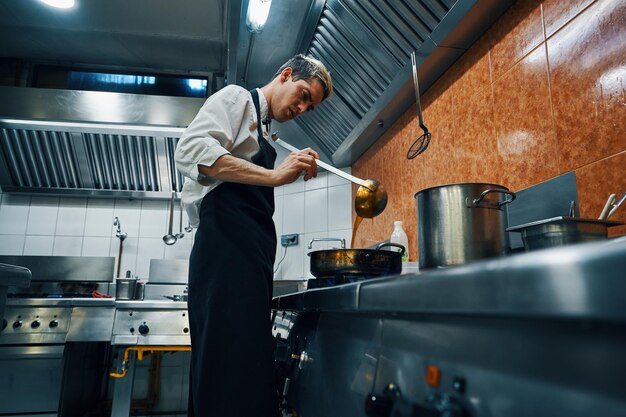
[318, 208]
[73, 226]
[68, 226]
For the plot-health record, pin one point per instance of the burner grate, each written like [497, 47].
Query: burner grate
[325, 282]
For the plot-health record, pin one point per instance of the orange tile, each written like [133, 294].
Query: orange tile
[475, 149]
[471, 72]
[526, 138]
[438, 160]
[514, 35]
[557, 13]
[587, 61]
[595, 182]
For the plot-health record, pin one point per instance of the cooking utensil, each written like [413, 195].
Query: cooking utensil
[616, 206]
[357, 262]
[180, 234]
[125, 288]
[562, 230]
[188, 229]
[169, 238]
[607, 207]
[421, 143]
[459, 223]
[371, 197]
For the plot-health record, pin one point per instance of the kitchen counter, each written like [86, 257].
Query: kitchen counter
[584, 281]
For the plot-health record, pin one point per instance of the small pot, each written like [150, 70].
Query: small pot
[561, 231]
[357, 262]
[125, 288]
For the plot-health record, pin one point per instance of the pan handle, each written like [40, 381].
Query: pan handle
[328, 239]
[472, 203]
[396, 245]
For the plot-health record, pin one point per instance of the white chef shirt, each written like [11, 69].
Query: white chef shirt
[226, 124]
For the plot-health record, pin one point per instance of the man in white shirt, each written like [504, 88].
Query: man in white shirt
[228, 194]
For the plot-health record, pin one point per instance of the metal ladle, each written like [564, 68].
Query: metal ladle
[169, 238]
[180, 234]
[371, 197]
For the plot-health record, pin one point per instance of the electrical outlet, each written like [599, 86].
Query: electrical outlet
[289, 240]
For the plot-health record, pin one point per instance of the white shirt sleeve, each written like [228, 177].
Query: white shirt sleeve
[226, 124]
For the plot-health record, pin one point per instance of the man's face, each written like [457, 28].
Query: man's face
[293, 98]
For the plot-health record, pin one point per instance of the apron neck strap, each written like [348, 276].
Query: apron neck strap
[255, 100]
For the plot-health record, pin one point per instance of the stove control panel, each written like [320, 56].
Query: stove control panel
[151, 327]
[35, 325]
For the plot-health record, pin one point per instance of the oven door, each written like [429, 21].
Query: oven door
[30, 378]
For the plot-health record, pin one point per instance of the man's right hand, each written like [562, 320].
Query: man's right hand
[296, 163]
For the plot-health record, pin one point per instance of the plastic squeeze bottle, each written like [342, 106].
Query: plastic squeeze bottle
[399, 236]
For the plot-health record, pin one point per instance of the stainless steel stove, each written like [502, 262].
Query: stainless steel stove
[64, 317]
[161, 317]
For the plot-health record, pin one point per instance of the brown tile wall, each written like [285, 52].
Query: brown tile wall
[541, 93]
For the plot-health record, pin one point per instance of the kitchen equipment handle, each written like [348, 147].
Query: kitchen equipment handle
[616, 206]
[607, 207]
[324, 165]
[472, 203]
[328, 239]
[396, 245]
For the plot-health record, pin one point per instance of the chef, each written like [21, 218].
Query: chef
[228, 194]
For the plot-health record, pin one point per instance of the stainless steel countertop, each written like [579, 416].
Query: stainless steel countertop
[151, 304]
[584, 281]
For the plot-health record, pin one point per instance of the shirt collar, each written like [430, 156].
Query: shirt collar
[263, 104]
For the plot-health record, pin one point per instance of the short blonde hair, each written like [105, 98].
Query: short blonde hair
[308, 68]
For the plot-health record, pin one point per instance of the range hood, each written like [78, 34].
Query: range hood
[367, 47]
[61, 142]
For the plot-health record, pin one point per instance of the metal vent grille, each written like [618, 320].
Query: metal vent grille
[41, 158]
[121, 162]
[176, 178]
[364, 45]
[75, 162]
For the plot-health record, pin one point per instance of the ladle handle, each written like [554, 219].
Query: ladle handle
[171, 212]
[324, 165]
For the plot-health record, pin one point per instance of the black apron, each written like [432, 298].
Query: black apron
[230, 292]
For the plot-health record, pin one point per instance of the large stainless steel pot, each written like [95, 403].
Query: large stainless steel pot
[356, 262]
[458, 223]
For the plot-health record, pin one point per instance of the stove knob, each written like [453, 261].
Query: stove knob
[144, 329]
[4, 324]
[35, 324]
[53, 324]
[17, 324]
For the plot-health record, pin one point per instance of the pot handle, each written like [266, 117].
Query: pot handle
[396, 245]
[476, 202]
[328, 239]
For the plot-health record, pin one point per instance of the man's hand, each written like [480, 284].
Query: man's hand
[295, 164]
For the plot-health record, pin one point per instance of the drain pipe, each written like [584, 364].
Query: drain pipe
[121, 236]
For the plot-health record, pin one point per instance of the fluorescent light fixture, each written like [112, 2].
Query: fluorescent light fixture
[258, 10]
[60, 4]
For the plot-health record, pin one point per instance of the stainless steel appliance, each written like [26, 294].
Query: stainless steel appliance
[157, 323]
[66, 303]
[534, 334]
[11, 275]
[458, 223]
[562, 230]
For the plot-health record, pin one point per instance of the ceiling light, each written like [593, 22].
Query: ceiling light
[60, 4]
[258, 10]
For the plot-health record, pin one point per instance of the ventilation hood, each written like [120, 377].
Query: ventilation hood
[61, 142]
[64, 142]
[367, 47]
